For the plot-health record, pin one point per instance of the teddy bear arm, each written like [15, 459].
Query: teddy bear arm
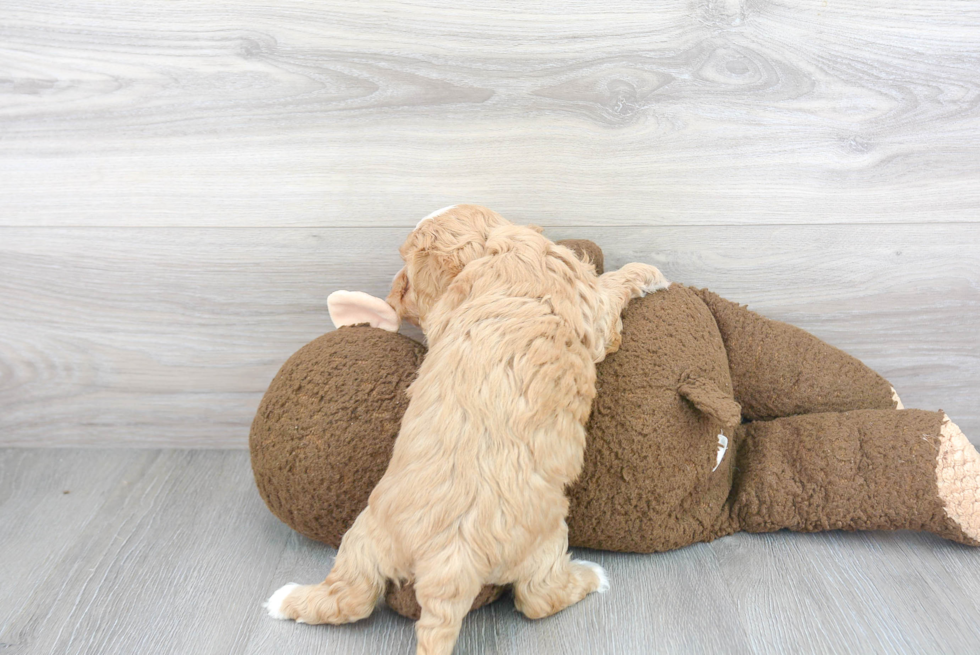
[857, 470]
[780, 370]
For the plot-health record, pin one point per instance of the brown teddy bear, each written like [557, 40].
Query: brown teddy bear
[708, 421]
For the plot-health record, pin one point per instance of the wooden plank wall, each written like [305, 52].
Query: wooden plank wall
[181, 186]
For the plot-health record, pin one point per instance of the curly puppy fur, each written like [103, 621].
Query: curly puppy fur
[494, 430]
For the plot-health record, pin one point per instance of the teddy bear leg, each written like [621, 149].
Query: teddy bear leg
[780, 370]
[858, 470]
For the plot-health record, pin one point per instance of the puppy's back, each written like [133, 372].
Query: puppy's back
[494, 429]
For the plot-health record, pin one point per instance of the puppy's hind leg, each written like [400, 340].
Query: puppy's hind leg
[351, 590]
[549, 580]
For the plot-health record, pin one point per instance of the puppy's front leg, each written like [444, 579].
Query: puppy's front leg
[619, 287]
[631, 281]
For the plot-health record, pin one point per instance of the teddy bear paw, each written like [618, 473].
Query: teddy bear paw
[958, 478]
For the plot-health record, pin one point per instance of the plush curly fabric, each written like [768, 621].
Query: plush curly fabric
[325, 429]
[648, 482]
[866, 470]
[780, 370]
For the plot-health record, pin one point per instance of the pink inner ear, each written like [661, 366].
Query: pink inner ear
[355, 307]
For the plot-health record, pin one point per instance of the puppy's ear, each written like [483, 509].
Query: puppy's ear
[445, 263]
[432, 271]
[399, 287]
[537, 228]
[397, 296]
[455, 294]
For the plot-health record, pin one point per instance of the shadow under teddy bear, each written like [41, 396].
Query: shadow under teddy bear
[709, 420]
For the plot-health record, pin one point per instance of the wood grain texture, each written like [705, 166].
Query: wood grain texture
[171, 552]
[334, 114]
[40, 526]
[175, 345]
[846, 589]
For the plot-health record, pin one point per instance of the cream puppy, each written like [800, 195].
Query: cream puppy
[494, 430]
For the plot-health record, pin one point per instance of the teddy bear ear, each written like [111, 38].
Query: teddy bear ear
[357, 308]
[585, 249]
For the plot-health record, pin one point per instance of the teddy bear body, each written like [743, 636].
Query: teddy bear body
[652, 480]
[710, 419]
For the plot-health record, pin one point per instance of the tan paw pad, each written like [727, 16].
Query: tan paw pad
[958, 478]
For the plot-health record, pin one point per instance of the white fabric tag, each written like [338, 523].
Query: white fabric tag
[722, 449]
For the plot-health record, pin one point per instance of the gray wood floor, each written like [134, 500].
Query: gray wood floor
[172, 551]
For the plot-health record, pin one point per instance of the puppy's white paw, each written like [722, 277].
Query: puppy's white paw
[599, 571]
[274, 604]
[655, 283]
